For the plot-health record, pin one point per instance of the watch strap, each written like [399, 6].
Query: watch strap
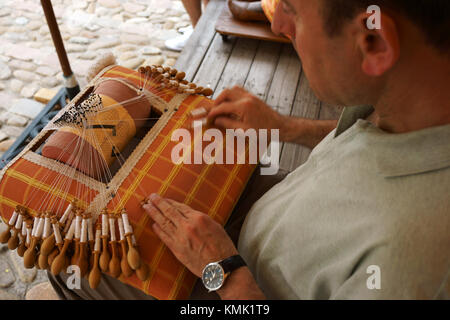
[232, 263]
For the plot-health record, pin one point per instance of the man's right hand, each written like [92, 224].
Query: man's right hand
[238, 109]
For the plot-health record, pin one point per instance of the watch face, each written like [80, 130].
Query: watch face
[213, 276]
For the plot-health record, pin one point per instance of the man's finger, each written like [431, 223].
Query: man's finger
[229, 95]
[225, 109]
[169, 211]
[183, 208]
[167, 239]
[164, 223]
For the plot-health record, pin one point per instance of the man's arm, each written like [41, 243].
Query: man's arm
[238, 109]
[241, 285]
[306, 132]
[197, 240]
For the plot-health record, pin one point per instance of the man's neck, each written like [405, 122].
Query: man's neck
[418, 99]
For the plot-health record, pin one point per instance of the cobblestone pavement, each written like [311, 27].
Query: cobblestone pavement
[134, 30]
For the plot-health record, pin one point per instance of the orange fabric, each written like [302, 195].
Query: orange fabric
[213, 189]
[269, 7]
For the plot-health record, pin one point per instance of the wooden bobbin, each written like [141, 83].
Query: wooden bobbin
[58, 241]
[48, 243]
[91, 239]
[173, 72]
[143, 272]
[83, 259]
[23, 236]
[78, 217]
[180, 76]
[62, 260]
[13, 241]
[29, 257]
[95, 274]
[114, 263]
[105, 256]
[6, 235]
[133, 257]
[124, 265]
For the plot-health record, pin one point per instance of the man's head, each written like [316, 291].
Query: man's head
[346, 62]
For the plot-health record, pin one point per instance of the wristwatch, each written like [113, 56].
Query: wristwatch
[215, 273]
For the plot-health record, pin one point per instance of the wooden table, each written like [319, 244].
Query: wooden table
[270, 70]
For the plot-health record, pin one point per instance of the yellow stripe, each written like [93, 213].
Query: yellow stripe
[230, 179]
[161, 191]
[13, 204]
[209, 183]
[42, 186]
[177, 285]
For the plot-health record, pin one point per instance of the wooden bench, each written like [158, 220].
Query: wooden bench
[272, 71]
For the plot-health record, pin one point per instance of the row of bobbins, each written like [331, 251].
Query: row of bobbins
[51, 243]
[172, 78]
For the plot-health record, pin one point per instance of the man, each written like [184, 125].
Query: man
[368, 215]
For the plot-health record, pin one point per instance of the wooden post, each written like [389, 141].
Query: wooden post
[71, 83]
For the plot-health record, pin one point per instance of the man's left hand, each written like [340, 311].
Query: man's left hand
[193, 237]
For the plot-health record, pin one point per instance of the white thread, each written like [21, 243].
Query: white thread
[40, 228]
[97, 240]
[28, 241]
[24, 229]
[36, 222]
[104, 225]
[66, 214]
[112, 228]
[199, 112]
[126, 223]
[18, 225]
[77, 227]
[84, 231]
[12, 221]
[69, 235]
[57, 233]
[46, 227]
[121, 229]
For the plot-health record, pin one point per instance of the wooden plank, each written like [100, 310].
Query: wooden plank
[284, 84]
[285, 81]
[306, 105]
[193, 53]
[213, 65]
[238, 66]
[263, 69]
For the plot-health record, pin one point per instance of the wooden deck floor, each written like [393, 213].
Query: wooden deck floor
[271, 71]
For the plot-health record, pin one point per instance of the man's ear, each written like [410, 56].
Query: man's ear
[380, 48]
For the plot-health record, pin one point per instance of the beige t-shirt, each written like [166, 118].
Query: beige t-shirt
[366, 217]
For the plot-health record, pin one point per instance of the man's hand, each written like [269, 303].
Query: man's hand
[193, 237]
[238, 109]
